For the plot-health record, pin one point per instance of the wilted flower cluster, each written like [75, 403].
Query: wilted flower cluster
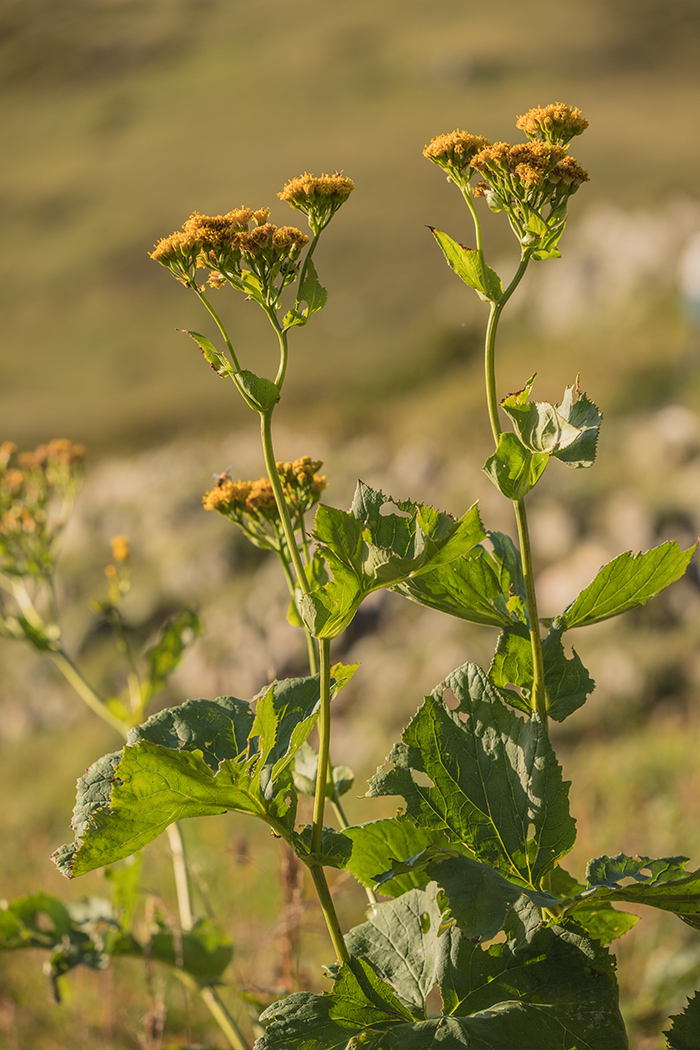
[37, 489]
[252, 503]
[317, 196]
[530, 181]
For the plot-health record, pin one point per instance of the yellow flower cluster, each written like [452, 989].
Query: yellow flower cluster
[529, 163]
[317, 196]
[223, 242]
[36, 489]
[454, 153]
[255, 500]
[527, 171]
[556, 123]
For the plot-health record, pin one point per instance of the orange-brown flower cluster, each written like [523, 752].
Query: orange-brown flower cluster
[317, 196]
[556, 123]
[526, 164]
[36, 490]
[246, 502]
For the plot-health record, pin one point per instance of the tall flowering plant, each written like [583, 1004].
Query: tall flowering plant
[466, 885]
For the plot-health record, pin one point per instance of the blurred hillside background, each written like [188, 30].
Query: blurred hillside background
[121, 117]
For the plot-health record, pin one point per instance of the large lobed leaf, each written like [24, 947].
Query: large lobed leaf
[543, 989]
[495, 783]
[202, 758]
[367, 550]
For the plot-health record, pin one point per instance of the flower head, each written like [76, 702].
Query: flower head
[556, 123]
[317, 196]
[252, 504]
[454, 153]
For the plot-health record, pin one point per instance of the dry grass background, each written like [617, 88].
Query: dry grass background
[121, 117]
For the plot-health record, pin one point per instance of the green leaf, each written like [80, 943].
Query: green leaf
[367, 550]
[260, 393]
[495, 783]
[336, 847]
[540, 427]
[467, 264]
[468, 588]
[684, 1033]
[312, 293]
[381, 844]
[514, 469]
[163, 657]
[628, 581]
[218, 360]
[546, 988]
[662, 883]
[567, 682]
[202, 758]
[598, 918]
[511, 669]
[585, 416]
[204, 951]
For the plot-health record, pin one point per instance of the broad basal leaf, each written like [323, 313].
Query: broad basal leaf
[199, 759]
[495, 783]
[627, 581]
[544, 989]
[366, 550]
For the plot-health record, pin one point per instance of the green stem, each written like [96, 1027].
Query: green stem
[324, 742]
[85, 691]
[329, 913]
[182, 882]
[229, 346]
[490, 347]
[539, 696]
[223, 1018]
[272, 473]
